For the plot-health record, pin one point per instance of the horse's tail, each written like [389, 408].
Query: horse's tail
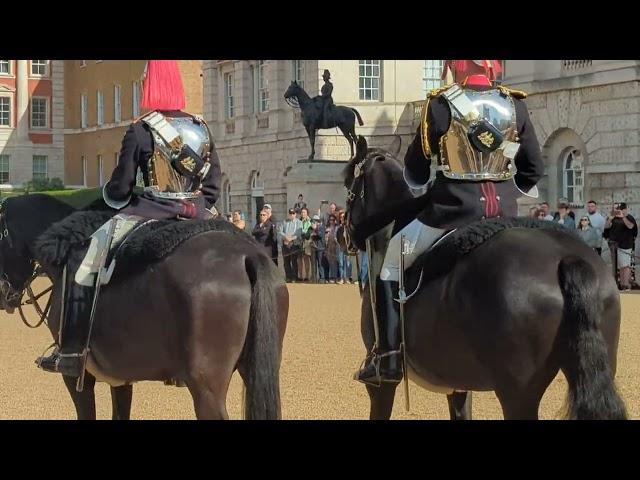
[261, 355]
[360, 122]
[592, 393]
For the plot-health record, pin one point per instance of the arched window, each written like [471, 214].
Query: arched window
[255, 180]
[572, 177]
[223, 205]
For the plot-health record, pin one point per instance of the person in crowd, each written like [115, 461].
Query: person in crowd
[621, 229]
[332, 247]
[290, 236]
[306, 252]
[563, 216]
[597, 221]
[588, 233]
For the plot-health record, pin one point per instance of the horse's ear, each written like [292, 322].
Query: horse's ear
[394, 148]
[361, 147]
[361, 152]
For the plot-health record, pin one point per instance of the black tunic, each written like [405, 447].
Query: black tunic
[137, 147]
[455, 203]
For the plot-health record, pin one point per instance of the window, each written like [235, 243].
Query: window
[100, 172]
[39, 115]
[5, 111]
[136, 99]
[5, 68]
[4, 169]
[369, 80]
[83, 110]
[254, 89]
[228, 95]
[84, 171]
[99, 108]
[226, 197]
[263, 86]
[431, 73]
[255, 180]
[297, 72]
[139, 178]
[117, 105]
[39, 67]
[572, 176]
[39, 167]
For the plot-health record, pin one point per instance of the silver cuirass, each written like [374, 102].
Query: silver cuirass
[170, 136]
[459, 158]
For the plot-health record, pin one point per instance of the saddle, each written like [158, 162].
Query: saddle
[455, 244]
[147, 243]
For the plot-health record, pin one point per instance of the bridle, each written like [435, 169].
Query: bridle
[12, 293]
[352, 195]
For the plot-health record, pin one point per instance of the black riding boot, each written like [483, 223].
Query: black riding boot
[385, 364]
[67, 358]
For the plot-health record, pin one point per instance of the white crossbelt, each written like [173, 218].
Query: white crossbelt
[159, 124]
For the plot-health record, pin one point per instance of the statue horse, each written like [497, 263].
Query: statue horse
[194, 309]
[502, 306]
[343, 117]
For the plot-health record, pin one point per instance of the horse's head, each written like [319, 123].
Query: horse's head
[22, 220]
[16, 265]
[292, 94]
[374, 182]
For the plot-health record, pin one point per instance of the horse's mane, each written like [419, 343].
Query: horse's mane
[21, 211]
[371, 153]
[401, 207]
[36, 202]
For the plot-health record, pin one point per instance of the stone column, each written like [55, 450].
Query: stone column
[22, 101]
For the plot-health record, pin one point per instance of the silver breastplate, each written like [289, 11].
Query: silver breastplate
[164, 180]
[459, 159]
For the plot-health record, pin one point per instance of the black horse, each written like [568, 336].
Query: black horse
[214, 304]
[506, 316]
[343, 117]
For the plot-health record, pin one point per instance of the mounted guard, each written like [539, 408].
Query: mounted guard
[174, 152]
[486, 153]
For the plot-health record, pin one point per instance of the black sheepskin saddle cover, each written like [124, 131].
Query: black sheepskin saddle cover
[443, 256]
[146, 244]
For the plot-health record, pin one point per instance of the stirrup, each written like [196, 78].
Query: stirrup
[56, 357]
[375, 360]
[56, 349]
[371, 359]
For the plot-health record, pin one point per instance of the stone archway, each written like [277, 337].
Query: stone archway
[566, 159]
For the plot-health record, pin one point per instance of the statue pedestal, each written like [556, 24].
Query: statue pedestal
[316, 180]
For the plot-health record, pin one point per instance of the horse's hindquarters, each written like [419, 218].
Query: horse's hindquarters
[189, 311]
[495, 320]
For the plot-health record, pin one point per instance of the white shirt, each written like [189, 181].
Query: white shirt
[597, 222]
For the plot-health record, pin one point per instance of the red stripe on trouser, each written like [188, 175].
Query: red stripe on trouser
[485, 195]
[495, 209]
[188, 210]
